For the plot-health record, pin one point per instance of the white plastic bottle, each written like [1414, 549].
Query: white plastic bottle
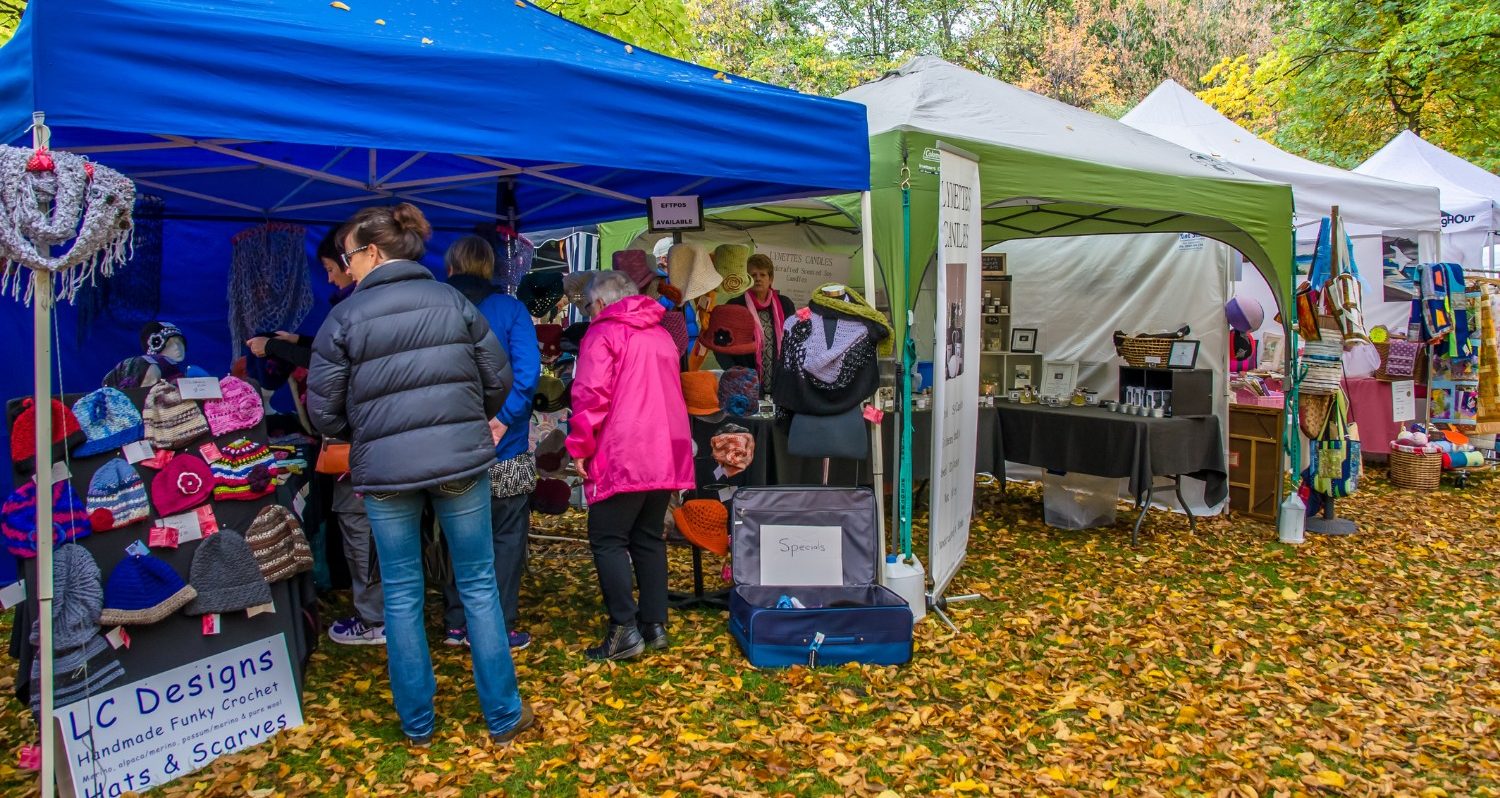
[909, 581]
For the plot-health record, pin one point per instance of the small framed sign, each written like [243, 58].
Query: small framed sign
[684, 212]
[1059, 378]
[1023, 340]
[1184, 355]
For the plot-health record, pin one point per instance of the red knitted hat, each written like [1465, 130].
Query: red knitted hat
[549, 338]
[65, 433]
[730, 331]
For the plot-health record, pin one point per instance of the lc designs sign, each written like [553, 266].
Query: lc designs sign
[158, 729]
[675, 213]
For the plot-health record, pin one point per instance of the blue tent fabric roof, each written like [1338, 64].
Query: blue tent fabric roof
[297, 109]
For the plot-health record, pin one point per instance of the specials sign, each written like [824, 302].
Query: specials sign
[150, 732]
[675, 213]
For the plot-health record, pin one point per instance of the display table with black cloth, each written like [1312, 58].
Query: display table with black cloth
[179, 639]
[789, 469]
[1092, 440]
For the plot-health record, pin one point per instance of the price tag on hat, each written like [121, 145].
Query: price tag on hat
[137, 452]
[12, 594]
[162, 537]
[211, 624]
[199, 388]
[118, 637]
[207, 522]
[873, 414]
[260, 609]
[210, 451]
[186, 524]
[60, 471]
[137, 549]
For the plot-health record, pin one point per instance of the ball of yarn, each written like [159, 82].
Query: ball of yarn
[1419, 438]
[1406, 436]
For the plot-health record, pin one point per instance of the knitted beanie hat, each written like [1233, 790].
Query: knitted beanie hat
[730, 261]
[276, 540]
[65, 433]
[700, 389]
[733, 451]
[85, 671]
[572, 337]
[552, 453]
[240, 408]
[739, 391]
[78, 597]
[226, 576]
[143, 589]
[156, 334]
[675, 322]
[171, 421]
[636, 265]
[551, 394]
[184, 483]
[109, 420]
[243, 471]
[551, 496]
[69, 521]
[117, 496]
[705, 524]
[540, 291]
[549, 337]
[690, 269]
[730, 331]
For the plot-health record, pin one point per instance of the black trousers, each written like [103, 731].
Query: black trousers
[627, 538]
[510, 518]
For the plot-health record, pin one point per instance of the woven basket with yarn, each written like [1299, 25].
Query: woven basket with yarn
[1416, 471]
[1145, 352]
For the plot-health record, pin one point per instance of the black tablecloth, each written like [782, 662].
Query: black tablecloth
[1091, 440]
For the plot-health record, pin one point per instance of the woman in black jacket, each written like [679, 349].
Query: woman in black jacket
[771, 311]
[408, 371]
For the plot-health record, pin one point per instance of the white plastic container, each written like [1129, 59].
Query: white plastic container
[1293, 520]
[1079, 501]
[909, 581]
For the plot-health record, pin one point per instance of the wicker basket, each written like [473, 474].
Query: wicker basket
[1416, 471]
[1146, 352]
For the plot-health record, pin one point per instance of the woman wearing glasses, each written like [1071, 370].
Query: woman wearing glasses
[410, 373]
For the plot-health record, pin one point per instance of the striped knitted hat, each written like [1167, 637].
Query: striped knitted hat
[109, 419]
[240, 408]
[226, 576]
[85, 671]
[280, 548]
[143, 589]
[117, 497]
[69, 521]
[243, 471]
[171, 421]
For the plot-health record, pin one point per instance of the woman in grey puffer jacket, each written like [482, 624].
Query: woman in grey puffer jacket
[408, 370]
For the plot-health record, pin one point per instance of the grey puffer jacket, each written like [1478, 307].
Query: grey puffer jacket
[408, 371]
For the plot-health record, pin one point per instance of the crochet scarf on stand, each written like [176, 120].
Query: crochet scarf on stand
[857, 306]
[269, 284]
[132, 296]
[826, 366]
[48, 199]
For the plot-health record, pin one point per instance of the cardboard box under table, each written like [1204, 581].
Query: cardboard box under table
[819, 546]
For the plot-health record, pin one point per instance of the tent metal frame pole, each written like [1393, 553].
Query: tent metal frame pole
[877, 443]
[41, 369]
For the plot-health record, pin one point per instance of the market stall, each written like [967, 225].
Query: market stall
[1469, 195]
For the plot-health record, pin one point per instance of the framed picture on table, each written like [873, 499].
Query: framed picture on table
[1059, 378]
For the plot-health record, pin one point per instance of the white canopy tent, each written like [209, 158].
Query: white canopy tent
[1470, 196]
[1371, 207]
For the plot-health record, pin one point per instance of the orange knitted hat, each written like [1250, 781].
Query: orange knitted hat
[700, 389]
[705, 524]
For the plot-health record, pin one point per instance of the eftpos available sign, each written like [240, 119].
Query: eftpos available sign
[150, 732]
[675, 213]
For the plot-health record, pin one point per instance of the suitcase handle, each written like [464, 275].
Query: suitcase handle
[812, 650]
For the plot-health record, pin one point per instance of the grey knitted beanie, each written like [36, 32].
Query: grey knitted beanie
[79, 597]
[226, 576]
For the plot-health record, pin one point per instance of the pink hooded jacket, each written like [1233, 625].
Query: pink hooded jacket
[629, 420]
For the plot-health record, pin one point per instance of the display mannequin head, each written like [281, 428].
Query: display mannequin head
[381, 234]
[164, 339]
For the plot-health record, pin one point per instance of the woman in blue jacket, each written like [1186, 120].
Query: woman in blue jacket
[471, 267]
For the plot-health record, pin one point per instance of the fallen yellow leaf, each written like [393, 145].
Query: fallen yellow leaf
[1330, 778]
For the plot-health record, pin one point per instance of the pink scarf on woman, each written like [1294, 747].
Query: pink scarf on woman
[778, 320]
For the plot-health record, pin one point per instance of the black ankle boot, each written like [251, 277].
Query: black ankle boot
[655, 635]
[621, 642]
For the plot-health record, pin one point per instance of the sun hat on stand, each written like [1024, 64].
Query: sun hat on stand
[636, 265]
[731, 261]
[730, 331]
[705, 524]
[700, 391]
[109, 420]
[691, 270]
[739, 391]
[226, 576]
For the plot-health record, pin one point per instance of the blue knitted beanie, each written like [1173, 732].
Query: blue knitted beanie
[109, 419]
[143, 589]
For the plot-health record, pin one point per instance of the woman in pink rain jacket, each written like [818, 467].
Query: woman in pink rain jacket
[629, 437]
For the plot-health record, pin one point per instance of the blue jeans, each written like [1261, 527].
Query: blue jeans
[463, 509]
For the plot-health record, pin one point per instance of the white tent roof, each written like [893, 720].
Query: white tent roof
[932, 95]
[1469, 193]
[1367, 204]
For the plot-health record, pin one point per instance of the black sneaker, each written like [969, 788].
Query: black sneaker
[655, 636]
[620, 643]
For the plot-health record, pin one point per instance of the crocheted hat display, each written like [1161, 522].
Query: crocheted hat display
[636, 265]
[551, 496]
[184, 483]
[78, 597]
[243, 471]
[155, 335]
[549, 337]
[730, 261]
[65, 434]
[700, 389]
[171, 421]
[572, 337]
[69, 521]
[730, 331]
[226, 576]
[270, 287]
[52, 199]
[705, 524]
[240, 408]
[739, 391]
[551, 395]
[552, 453]
[540, 292]
[108, 419]
[675, 322]
[117, 497]
[734, 451]
[275, 538]
[575, 287]
[690, 269]
[143, 589]
[84, 671]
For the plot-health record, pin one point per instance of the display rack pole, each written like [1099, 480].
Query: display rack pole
[41, 363]
[1328, 523]
[877, 442]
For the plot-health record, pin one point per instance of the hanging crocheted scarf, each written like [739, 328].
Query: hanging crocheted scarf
[132, 296]
[269, 286]
[48, 199]
[514, 254]
[857, 306]
[824, 365]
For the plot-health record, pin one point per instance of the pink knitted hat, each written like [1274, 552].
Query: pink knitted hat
[184, 484]
[240, 408]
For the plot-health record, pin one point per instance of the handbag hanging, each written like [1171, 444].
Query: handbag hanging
[333, 458]
[1323, 361]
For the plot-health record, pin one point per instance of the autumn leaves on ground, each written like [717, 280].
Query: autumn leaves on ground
[1218, 664]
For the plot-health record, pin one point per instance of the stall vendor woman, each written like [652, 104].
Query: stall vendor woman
[771, 310]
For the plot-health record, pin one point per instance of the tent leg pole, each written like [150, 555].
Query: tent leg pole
[42, 375]
[877, 443]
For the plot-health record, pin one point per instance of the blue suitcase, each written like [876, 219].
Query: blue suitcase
[820, 547]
